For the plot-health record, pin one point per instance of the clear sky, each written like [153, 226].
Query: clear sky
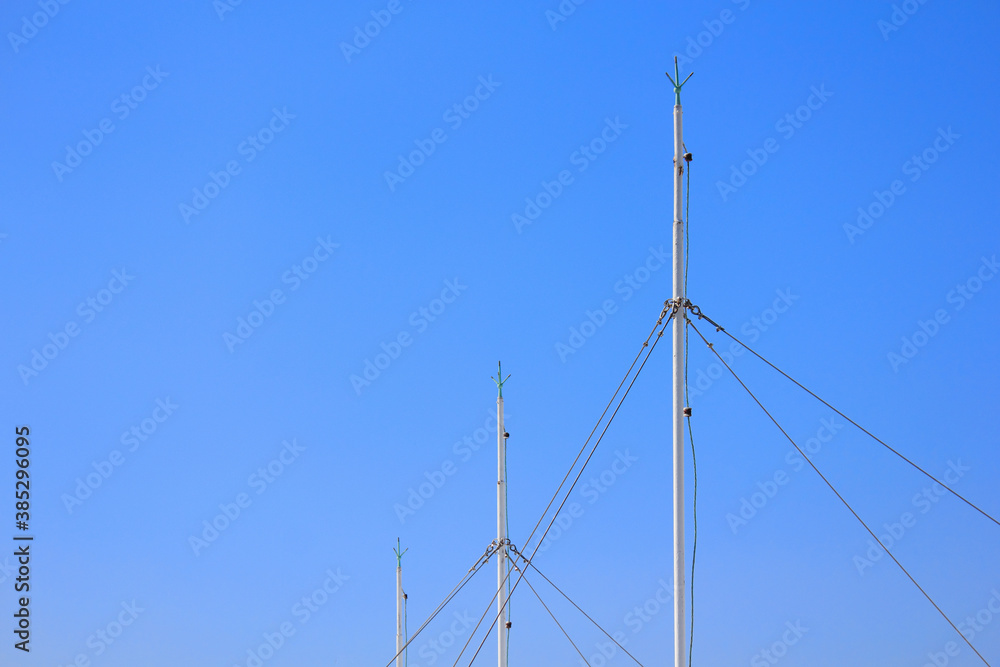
[261, 260]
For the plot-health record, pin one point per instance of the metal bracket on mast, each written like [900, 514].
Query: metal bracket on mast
[674, 80]
[684, 305]
[495, 547]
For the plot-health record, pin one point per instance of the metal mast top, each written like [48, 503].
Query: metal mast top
[678, 325]
[675, 79]
[500, 381]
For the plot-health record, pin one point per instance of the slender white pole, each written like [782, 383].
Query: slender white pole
[501, 531]
[399, 614]
[678, 387]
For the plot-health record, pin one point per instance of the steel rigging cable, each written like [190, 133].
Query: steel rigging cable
[578, 608]
[660, 321]
[859, 426]
[448, 598]
[837, 493]
[566, 634]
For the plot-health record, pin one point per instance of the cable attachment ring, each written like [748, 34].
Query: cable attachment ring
[696, 311]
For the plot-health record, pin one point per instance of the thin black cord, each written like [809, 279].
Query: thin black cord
[694, 465]
[506, 516]
[659, 335]
[859, 426]
[687, 400]
[837, 493]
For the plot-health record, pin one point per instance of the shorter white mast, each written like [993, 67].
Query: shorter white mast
[400, 604]
[502, 539]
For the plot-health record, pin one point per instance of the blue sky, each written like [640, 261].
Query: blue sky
[216, 217]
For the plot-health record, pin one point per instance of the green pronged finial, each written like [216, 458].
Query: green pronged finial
[675, 79]
[499, 381]
[399, 554]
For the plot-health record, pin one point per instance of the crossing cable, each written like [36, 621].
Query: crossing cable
[566, 634]
[570, 600]
[482, 617]
[659, 321]
[859, 426]
[448, 598]
[837, 493]
[667, 305]
[673, 310]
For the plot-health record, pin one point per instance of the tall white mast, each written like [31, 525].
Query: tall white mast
[680, 320]
[502, 540]
[400, 603]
